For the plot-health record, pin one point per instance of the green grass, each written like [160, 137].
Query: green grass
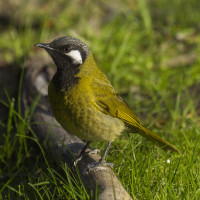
[132, 42]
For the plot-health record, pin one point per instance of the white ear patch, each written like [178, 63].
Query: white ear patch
[76, 56]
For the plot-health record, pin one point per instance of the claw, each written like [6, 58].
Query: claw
[94, 151]
[77, 160]
[99, 165]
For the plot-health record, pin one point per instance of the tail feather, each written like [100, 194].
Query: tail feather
[157, 139]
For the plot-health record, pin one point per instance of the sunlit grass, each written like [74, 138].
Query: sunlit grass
[132, 46]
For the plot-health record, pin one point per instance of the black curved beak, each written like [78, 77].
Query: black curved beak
[46, 47]
[43, 45]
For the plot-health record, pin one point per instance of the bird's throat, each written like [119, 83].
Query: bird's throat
[65, 77]
[68, 75]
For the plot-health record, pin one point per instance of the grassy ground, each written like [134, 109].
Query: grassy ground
[150, 52]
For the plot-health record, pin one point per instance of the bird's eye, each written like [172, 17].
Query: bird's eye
[67, 49]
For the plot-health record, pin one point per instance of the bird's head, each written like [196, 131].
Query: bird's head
[66, 50]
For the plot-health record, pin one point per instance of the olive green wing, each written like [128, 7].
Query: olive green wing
[110, 103]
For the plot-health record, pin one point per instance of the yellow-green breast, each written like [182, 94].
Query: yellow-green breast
[76, 109]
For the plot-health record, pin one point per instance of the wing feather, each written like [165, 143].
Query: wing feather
[109, 102]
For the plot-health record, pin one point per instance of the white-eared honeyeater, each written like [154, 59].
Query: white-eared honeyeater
[83, 100]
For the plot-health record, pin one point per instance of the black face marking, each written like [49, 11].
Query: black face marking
[66, 67]
[65, 79]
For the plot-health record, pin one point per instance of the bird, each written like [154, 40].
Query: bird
[85, 103]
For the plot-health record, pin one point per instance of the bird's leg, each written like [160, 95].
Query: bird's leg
[101, 161]
[83, 151]
[104, 155]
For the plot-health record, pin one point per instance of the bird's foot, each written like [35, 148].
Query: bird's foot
[94, 151]
[99, 165]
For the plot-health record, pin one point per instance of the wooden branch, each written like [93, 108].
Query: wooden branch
[37, 75]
